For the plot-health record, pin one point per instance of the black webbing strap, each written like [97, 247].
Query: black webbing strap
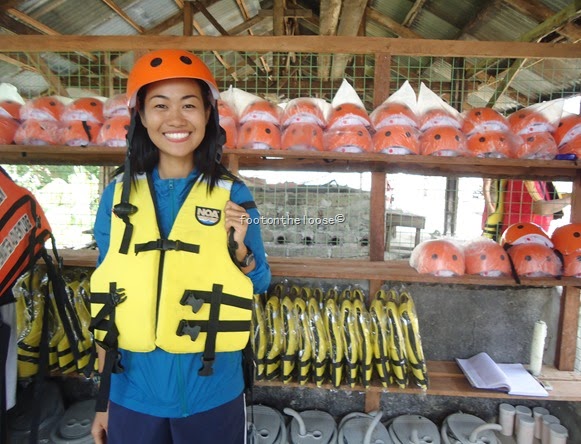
[167, 244]
[196, 298]
[515, 275]
[4, 342]
[232, 244]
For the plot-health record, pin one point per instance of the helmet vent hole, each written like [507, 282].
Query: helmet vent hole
[185, 60]
[434, 256]
[156, 62]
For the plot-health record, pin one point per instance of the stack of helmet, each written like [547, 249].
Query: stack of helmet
[486, 258]
[568, 136]
[439, 257]
[10, 105]
[260, 126]
[229, 123]
[348, 129]
[40, 122]
[81, 121]
[567, 243]
[488, 134]
[396, 129]
[534, 129]
[303, 124]
[113, 133]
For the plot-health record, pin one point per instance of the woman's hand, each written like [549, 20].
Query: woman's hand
[99, 428]
[237, 218]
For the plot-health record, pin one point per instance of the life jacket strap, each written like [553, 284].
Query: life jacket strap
[196, 298]
[194, 328]
[232, 244]
[167, 244]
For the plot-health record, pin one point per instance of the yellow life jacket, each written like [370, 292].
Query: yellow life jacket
[182, 293]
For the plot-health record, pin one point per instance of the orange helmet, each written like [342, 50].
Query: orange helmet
[10, 108]
[443, 141]
[262, 111]
[440, 257]
[525, 233]
[303, 110]
[492, 144]
[568, 128]
[526, 121]
[116, 106]
[302, 136]
[567, 238]
[42, 108]
[536, 146]
[38, 132]
[572, 264]
[398, 139]
[486, 258]
[86, 108]
[348, 114]
[166, 64]
[534, 260]
[259, 135]
[481, 120]
[231, 129]
[439, 117]
[8, 127]
[389, 114]
[226, 111]
[348, 139]
[114, 132]
[573, 146]
[80, 133]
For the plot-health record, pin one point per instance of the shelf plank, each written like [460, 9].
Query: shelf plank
[356, 269]
[565, 170]
[446, 379]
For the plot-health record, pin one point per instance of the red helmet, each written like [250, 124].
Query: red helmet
[568, 128]
[482, 120]
[536, 146]
[572, 146]
[261, 110]
[259, 134]
[348, 139]
[439, 117]
[439, 257]
[397, 139]
[526, 121]
[226, 111]
[443, 141]
[10, 108]
[42, 108]
[114, 132]
[492, 144]
[86, 108]
[8, 127]
[80, 133]
[348, 114]
[38, 132]
[525, 233]
[116, 106]
[302, 136]
[535, 260]
[389, 114]
[231, 129]
[486, 258]
[567, 238]
[167, 64]
[303, 110]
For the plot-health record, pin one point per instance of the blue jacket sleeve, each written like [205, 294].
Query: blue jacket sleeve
[102, 227]
[261, 275]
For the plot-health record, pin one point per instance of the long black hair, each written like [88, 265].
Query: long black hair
[144, 155]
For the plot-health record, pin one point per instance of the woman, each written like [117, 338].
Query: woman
[178, 265]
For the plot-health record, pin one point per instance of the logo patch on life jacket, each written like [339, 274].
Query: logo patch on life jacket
[208, 216]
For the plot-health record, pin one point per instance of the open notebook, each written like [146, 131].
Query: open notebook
[484, 373]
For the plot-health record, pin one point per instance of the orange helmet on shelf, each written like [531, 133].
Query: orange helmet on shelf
[569, 127]
[348, 114]
[80, 133]
[261, 111]
[231, 129]
[482, 120]
[439, 117]
[525, 233]
[114, 132]
[486, 258]
[440, 257]
[116, 106]
[10, 108]
[526, 121]
[8, 127]
[567, 238]
[42, 108]
[86, 108]
[443, 141]
[259, 134]
[572, 264]
[38, 132]
[536, 146]
[165, 64]
[533, 260]
[500, 144]
[303, 110]
[302, 136]
[225, 111]
[389, 114]
[572, 146]
[397, 139]
[348, 139]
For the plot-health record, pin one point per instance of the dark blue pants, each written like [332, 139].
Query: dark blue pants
[223, 425]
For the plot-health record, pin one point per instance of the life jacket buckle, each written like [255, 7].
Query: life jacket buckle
[184, 328]
[118, 296]
[189, 298]
[206, 369]
[124, 209]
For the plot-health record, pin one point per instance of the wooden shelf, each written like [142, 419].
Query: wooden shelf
[355, 269]
[446, 379]
[315, 161]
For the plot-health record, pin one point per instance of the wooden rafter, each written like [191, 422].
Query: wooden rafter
[24, 18]
[351, 16]
[328, 21]
[225, 64]
[391, 24]
[278, 18]
[480, 16]
[54, 82]
[121, 13]
[413, 13]
[180, 4]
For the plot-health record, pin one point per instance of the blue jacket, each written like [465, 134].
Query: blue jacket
[164, 384]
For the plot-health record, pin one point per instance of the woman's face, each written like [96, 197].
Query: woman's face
[175, 117]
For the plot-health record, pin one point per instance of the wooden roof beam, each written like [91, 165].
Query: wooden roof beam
[121, 13]
[351, 16]
[180, 4]
[53, 80]
[26, 19]
[328, 21]
[391, 24]
[278, 18]
[413, 13]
